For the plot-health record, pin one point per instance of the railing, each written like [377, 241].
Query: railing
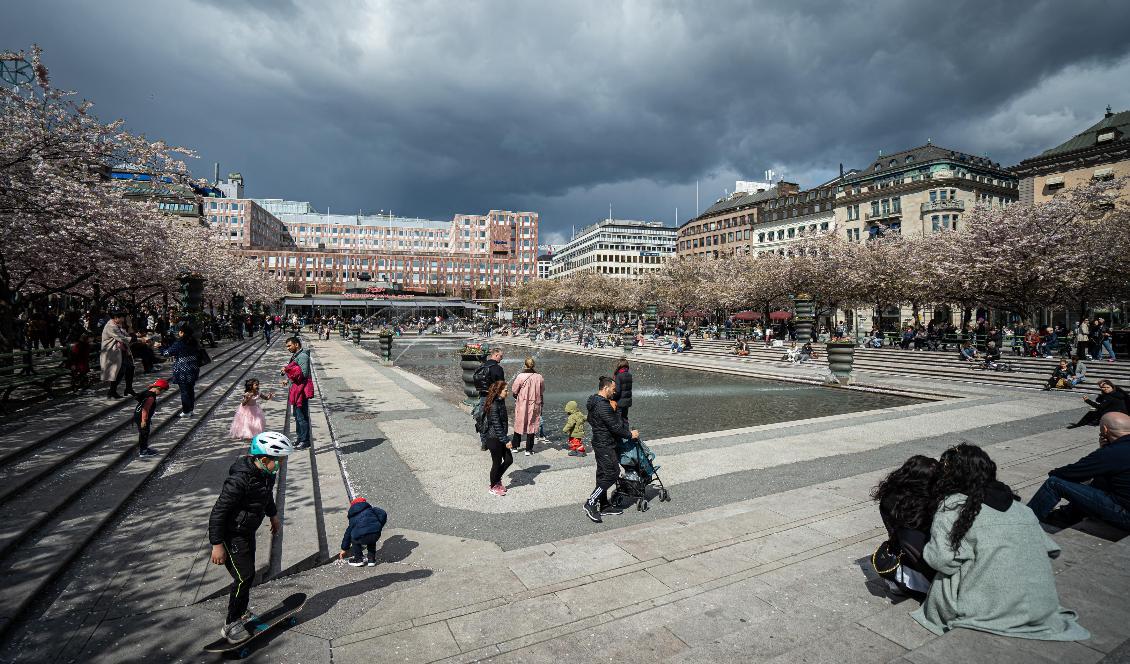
[950, 204]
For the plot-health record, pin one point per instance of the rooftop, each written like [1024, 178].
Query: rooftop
[923, 154]
[1089, 138]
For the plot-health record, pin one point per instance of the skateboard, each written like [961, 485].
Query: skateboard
[283, 613]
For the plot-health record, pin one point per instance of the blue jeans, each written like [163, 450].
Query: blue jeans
[302, 422]
[1082, 497]
[1106, 347]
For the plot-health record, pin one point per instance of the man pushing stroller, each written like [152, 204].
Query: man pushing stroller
[608, 428]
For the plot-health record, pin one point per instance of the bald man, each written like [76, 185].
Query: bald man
[1098, 485]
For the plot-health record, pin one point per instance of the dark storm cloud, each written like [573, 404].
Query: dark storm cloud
[434, 108]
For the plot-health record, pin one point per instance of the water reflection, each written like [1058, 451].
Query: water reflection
[667, 401]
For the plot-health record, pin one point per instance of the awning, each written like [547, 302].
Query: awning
[747, 315]
[780, 315]
[1054, 180]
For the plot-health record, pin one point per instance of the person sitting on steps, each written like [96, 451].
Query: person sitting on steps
[1098, 485]
[1111, 399]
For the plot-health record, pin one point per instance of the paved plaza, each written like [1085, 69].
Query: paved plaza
[762, 554]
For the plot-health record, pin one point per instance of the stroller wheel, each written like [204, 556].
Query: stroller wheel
[642, 505]
[664, 496]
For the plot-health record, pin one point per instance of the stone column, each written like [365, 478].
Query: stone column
[805, 317]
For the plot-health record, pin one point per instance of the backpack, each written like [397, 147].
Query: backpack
[480, 415]
[481, 377]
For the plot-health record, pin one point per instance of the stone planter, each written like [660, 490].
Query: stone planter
[841, 356]
[356, 333]
[805, 318]
[385, 342]
[629, 337]
[468, 362]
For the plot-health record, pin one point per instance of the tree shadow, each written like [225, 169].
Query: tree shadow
[362, 445]
[526, 476]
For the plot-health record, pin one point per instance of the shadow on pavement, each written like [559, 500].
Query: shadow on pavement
[526, 476]
[325, 601]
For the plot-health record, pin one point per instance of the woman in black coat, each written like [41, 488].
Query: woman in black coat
[496, 434]
[623, 394]
[1111, 399]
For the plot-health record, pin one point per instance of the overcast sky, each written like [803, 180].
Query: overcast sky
[433, 108]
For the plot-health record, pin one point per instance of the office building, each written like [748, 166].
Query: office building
[619, 248]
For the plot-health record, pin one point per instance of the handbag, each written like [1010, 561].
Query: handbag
[202, 357]
[884, 562]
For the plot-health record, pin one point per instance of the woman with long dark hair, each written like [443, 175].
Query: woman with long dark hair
[992, 558]
[495, 429]
[1111, 399]
[907, 502]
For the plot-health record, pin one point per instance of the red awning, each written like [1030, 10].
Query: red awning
[780, 315]
[747, 315]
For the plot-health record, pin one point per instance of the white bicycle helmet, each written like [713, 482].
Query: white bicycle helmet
[271, 443]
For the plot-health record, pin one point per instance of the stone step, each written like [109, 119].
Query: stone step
[91, 412]
[32, 564]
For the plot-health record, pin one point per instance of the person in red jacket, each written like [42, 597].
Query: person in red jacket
[297, 372]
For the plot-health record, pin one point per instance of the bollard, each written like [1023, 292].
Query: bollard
[629, 338]
[357, 334]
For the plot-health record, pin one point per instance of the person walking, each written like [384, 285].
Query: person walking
[268, 326]
[185, 352]
[115, 357]
[1106, 342]
[297, 372]
[608, 428]
[622, 395]
[528, 389]
[1083, 339]
[494, 427]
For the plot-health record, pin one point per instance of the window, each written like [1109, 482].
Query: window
[909, 158]
[896, 204]
[1105, 136]
[874, 208]
[1103, 174]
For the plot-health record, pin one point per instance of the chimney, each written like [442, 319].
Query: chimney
[216, 176]
[1108, 111]
[841, 169]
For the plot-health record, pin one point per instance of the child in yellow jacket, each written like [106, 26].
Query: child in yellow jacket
[575, 429]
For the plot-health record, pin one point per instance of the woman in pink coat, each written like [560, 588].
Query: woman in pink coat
[528, 389]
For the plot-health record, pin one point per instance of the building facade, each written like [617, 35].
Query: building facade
[470, 256]
[621, 248]
[246, 224]
[1102, 151]
[765, 220]
[919, 191]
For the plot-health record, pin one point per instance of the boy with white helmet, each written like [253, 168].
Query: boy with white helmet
[246, 498]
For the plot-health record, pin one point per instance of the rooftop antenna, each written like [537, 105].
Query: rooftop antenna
[609, 212]
[697, 209]
[216, 177]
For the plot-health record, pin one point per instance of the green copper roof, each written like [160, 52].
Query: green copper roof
[1120, 122]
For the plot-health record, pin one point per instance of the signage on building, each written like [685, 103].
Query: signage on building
[649, 253]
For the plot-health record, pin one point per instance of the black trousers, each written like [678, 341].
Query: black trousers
[623, 412]
[500, 459]
[607, 472]
[124, 373]
[516, 441]
[367, 541]
[143, 436]
[187, 397]
[240, 564]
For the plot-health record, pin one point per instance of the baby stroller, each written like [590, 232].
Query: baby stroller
[640, 472]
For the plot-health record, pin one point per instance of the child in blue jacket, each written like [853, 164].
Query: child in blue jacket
[365, 525]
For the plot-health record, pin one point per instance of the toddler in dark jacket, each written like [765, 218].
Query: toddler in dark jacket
[365, 525]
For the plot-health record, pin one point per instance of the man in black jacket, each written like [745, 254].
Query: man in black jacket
[608, 428]
[246, 498]
[1107, 469]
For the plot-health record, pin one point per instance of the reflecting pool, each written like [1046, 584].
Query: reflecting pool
[666, 401]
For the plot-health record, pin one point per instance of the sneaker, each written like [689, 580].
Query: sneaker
[592, 513]
[529, 453]
[184, 414]
[611, 510]
[356, 562]
[147, 453]
[575, 453]
[370, 562]
[498, 490]
[234, 632]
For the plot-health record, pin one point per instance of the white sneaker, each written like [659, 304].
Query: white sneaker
[528, 453]
[234, 632]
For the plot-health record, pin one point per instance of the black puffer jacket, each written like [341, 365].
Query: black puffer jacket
[608, 427]
[246, 498]
[623, 394]
[497, 424]
[495, 373]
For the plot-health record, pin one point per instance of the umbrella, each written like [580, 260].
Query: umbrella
[747, 315]
[780, 315]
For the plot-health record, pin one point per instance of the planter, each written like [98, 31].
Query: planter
[841, 356]
[629, 337]
[805, 318]
[468, 362]
[385, 342]
[356, 331]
